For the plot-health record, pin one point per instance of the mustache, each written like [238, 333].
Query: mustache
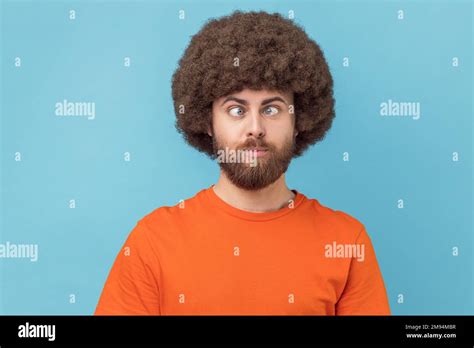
[251, 143]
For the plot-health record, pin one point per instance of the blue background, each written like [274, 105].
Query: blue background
[391, 158]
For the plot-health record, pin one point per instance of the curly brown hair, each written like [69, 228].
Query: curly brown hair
[273, 53]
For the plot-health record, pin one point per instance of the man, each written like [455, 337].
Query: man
[253, 84]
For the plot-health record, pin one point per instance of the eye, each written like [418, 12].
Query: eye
[236, 111]
[272, 110]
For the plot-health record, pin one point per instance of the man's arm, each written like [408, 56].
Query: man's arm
[364, 293]
[132, 285]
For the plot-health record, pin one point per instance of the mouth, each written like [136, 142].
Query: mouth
[259, 151]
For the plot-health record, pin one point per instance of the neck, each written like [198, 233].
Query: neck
[273, 197]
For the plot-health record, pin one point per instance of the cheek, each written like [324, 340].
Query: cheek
[279, 133]
[226, 132]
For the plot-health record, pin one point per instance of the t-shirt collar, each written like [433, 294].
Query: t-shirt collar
[215, 200]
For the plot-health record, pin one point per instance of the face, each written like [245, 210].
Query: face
[258, 128]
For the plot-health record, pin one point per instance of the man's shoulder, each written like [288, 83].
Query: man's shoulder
[337, 220]
[183, 208]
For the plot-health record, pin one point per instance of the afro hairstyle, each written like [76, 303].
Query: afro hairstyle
[273, 53]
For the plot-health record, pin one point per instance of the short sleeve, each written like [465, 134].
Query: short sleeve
[364, 292]
[132, 286]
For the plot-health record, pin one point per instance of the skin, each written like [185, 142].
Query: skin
[233, 122]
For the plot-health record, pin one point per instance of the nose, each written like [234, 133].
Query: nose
[255, 127]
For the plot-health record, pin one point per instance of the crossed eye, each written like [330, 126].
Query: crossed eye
[240, 111]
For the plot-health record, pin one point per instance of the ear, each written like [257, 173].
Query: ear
[209, 126]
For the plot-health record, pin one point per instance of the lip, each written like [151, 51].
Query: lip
[257, 149]
[259, 152]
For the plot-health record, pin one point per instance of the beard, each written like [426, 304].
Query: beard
[264, 170]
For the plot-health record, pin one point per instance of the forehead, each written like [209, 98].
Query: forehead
[254, 95]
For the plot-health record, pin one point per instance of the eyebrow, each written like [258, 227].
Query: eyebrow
[244, 102]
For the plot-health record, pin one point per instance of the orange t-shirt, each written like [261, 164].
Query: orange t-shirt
[206, 257]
